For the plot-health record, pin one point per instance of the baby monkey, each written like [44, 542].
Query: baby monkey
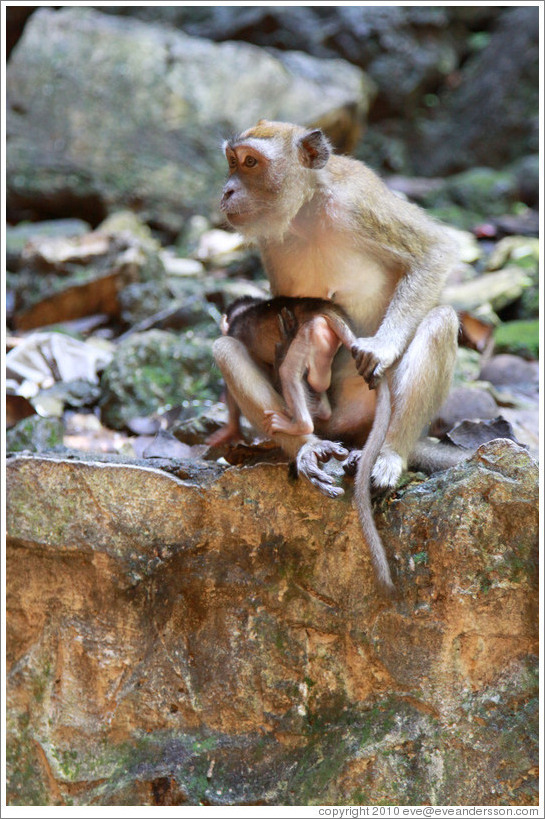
[295, 340]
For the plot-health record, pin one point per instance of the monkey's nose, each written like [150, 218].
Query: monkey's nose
[228, 191]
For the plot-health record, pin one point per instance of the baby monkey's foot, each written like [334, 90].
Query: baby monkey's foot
[225, 435]
[279, 422]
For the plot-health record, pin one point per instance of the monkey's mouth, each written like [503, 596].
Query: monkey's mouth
[238, 217]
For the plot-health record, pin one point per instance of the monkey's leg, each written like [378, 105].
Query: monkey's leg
[276, 422]
[254, 394]
[419, 383]
[291, 373]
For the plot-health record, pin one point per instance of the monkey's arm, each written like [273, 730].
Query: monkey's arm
[425, 253]
[413, 298]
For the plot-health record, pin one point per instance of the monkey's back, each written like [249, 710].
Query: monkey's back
[258, 326]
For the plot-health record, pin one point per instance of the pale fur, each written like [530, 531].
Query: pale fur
[362, 488]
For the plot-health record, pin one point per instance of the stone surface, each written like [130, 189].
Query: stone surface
[510, 370]
[214, 636]
[107, 113]
[498, 289]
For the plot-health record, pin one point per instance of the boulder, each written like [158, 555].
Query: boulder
[496, 290]
[406, 50]
[508, 370]
[107, 112]
[214, 636]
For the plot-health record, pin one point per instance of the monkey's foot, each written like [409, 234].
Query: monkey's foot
[387, 469]
[278, 422]
[224, 435]
[310, 455]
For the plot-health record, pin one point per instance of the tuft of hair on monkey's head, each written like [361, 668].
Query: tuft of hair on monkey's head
[241, 304]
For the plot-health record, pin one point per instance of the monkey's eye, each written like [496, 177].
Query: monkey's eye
[232, 162]
[250, 161]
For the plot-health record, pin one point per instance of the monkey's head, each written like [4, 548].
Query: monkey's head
[235, 309]
[272, 173]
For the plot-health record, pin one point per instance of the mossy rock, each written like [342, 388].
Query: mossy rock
[154, 371]
[471, 196]
[35, 434]
[518, 338]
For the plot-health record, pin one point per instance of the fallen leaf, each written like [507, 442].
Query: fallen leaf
[471, 434]
[475, 334]
[17, 408]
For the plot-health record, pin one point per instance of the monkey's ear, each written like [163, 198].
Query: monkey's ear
[314, 149]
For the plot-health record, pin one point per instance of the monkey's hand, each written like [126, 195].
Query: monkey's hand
[373, 357]
[310, 455]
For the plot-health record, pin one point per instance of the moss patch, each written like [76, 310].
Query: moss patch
[518, 338]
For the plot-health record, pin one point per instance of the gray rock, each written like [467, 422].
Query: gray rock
[35, 434]
[506, 370]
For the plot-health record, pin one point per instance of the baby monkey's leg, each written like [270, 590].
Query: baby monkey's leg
[309, 356]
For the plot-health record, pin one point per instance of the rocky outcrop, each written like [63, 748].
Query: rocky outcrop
[213, 635]
[106, 113]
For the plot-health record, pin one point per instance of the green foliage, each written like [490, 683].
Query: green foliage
[518, 338]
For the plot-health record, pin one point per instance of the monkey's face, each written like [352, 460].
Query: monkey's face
[271, 175]
[248, 194]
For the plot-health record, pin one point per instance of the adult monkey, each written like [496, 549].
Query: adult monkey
[328, 227]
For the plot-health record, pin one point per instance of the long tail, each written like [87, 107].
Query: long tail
[362, 488]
